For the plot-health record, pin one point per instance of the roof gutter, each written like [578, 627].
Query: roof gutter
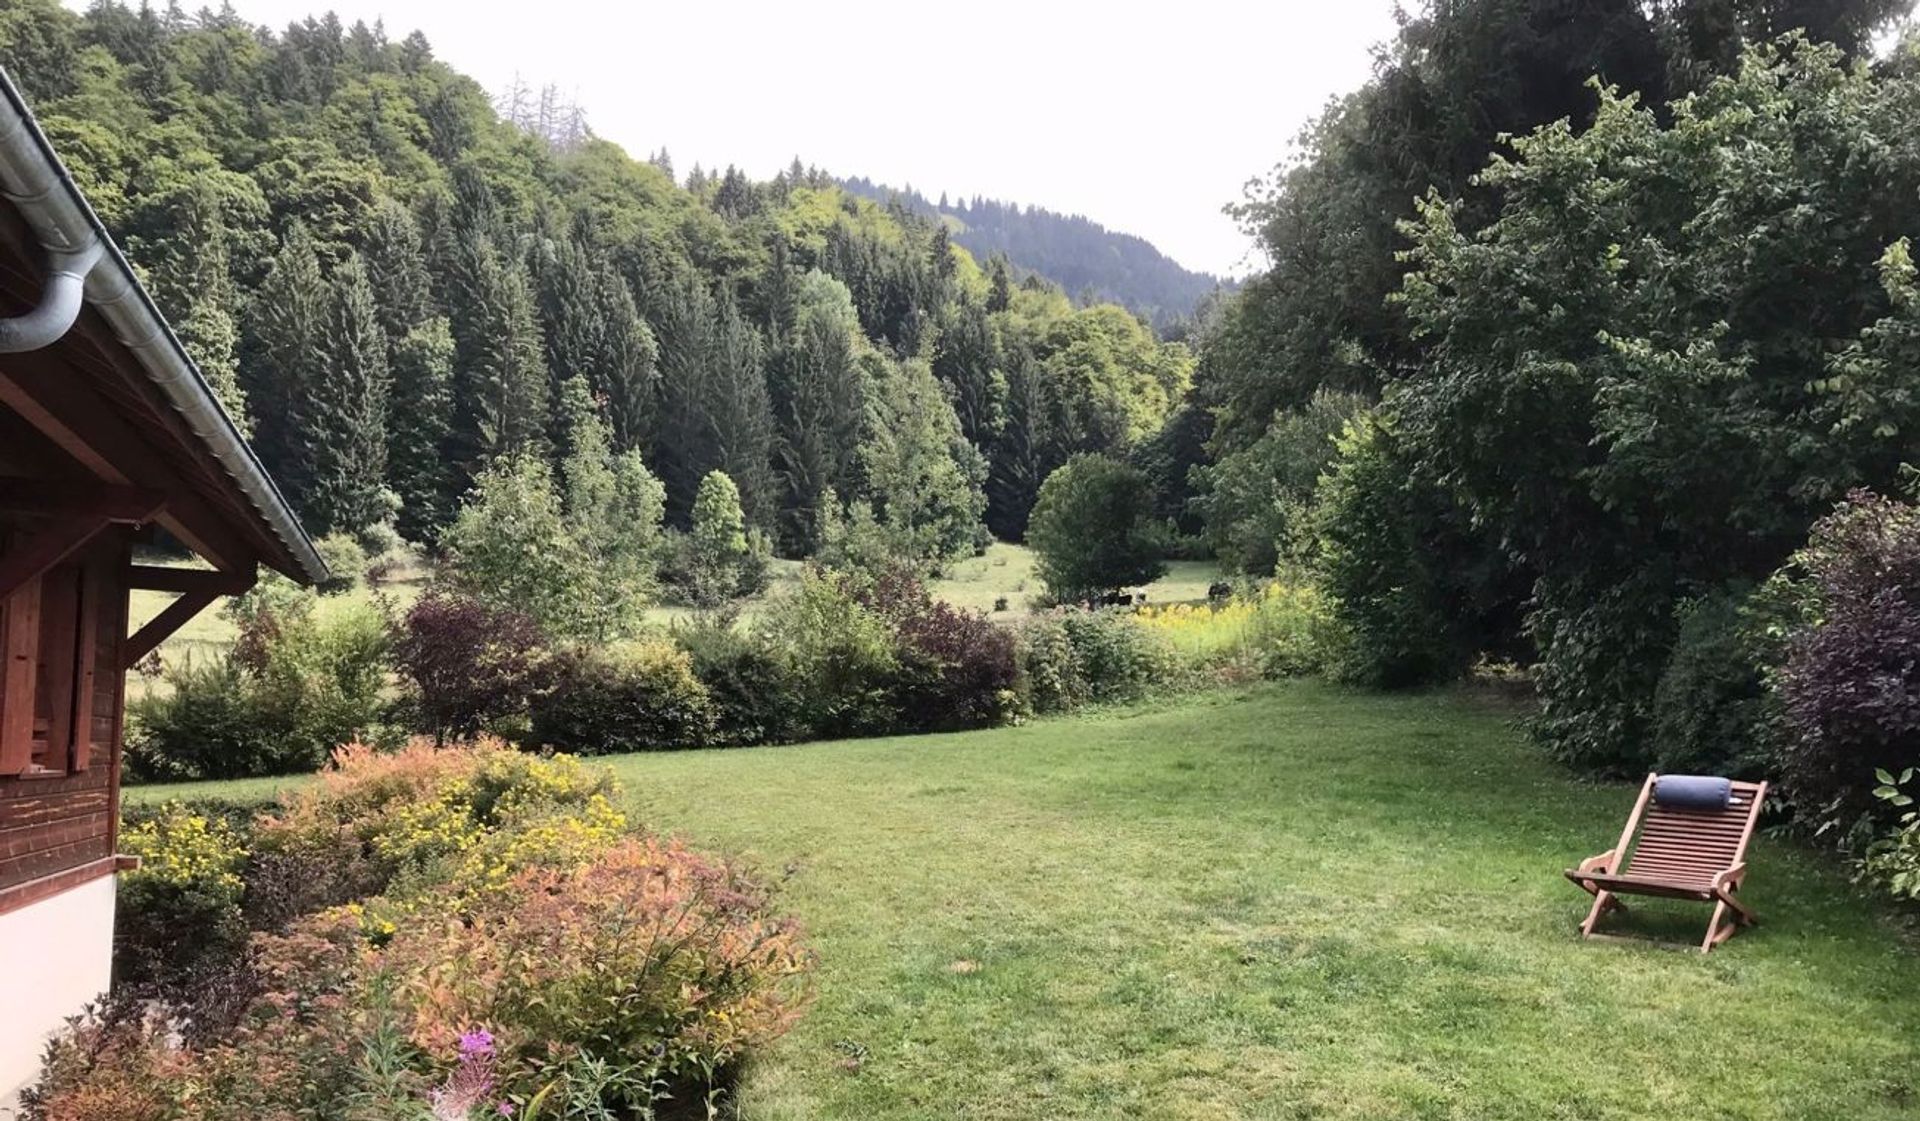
[33, 178]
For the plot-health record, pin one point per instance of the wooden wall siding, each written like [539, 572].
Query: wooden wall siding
[66, 816]
[50, 824]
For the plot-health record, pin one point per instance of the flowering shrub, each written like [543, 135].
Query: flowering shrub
[424, 809]
[1850, 687]
[639, 696]
[180, 918]
[652, 960]
[531, 960]
[472, 667]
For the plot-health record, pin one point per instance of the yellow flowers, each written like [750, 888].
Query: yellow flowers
[1282, 630]
[184, 849]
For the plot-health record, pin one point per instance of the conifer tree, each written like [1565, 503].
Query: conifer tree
[417, 427]
[397, 268]
[819, 404]
[499, 375]
[190, 277]
[716, 412]
[339, 421]
[923, 479]
[1026, 451]
[593, 331]
[965, 360]
[739, 412]
[288, 317]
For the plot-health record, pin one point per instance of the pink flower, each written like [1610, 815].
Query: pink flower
[479, 1041]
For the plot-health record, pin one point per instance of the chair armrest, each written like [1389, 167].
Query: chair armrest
[1731, 876]
[1600, 863]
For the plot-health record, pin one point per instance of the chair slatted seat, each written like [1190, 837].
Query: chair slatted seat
[1678, 852]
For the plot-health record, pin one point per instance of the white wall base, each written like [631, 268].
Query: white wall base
[59, 955]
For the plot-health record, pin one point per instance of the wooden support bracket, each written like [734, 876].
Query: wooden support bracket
[196, 593]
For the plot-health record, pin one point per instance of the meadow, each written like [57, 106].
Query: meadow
[1288, 901]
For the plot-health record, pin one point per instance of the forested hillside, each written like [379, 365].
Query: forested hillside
[398, 292]
[1090, 261]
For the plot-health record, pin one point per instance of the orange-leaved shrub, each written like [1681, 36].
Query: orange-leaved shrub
[642, 977]
[652, 958]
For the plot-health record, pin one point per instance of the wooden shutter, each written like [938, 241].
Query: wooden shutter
[20, 647]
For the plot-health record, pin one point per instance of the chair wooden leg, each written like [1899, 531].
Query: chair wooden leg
[1716, 932]
[1741, 911]
[1603, 901]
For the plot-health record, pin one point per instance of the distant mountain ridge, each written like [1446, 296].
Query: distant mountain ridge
[1091, 262]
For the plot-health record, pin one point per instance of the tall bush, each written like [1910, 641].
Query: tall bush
[956, 669]
[750, 681]
[841, 654]
[1380, 548]
[471, 666]
[512, 549]
[1712, 712]
[1850, 688]
[297, 684]
[640, 696]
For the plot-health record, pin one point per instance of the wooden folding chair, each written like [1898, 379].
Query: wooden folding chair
[1678, 853]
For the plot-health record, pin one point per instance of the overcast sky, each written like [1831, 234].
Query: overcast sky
[1144, 119]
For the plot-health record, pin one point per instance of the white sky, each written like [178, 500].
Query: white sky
[1146, 121]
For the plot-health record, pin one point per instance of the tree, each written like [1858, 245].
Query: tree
[819, 399]
[593, 331]
[614, 509]
[417, 428]
[717, 413]
[717, 545]
[1027, 451]
[339, 424]
[923, 480]
[397, 269]
[1634, 448]
[1256, 502]
[499, 375]
[288, 316]
[512, 549]
[1093, 530]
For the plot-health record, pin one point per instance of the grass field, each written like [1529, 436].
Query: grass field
[1292, 902]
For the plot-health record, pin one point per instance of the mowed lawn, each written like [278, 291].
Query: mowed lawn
[1291, 902]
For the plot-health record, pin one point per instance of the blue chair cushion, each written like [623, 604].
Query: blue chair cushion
[1693, 792]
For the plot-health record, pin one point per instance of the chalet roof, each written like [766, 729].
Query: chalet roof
[200, 443]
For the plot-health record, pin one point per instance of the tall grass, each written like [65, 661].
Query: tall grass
[1285, 629]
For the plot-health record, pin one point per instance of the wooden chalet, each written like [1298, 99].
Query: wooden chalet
[108, 434]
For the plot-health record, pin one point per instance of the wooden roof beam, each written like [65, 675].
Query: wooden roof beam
[50, 398]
